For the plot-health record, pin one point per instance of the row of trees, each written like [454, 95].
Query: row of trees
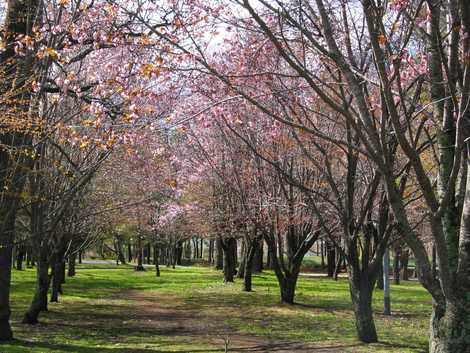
[384, 126]
[281, 121]
[73, 77]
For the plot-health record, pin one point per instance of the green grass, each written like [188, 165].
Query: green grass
[311, 263]
[101, 311]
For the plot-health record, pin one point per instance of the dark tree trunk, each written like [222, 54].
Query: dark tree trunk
[58, 266]
[140, 255]
[252, 248]
[258, 260]
[210, 256]
[288, 285]
[80, 256]
[129, 252]
[331, 256]
[148, 254]
[338, 265]
[62, 273]
[287, 279]
[219, 263]
[380, 276]
[178, 253]
[39, 302]
[20, 257]
[287, 274]
[168, 255]
[29, 258]
[269, 264]
[173, 256]
[187, 250]
[71, 264]
[156, 260]
[396, 265]
[155, 254]
[6, 248]
[404, 265]
[229, 248]
[361, 290]
[120, 252]
[361, 295]
[322, 254]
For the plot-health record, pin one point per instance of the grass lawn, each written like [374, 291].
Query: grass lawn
[113, 309]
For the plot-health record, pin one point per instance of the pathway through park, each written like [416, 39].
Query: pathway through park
[167, 316]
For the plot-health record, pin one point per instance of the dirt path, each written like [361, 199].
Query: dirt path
[169, 317]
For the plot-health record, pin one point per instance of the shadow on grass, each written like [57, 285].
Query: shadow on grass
[70, 348]
[395, 345]
[101, 315]
[293, 347]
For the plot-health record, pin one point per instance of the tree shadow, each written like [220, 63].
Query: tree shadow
[71, 348]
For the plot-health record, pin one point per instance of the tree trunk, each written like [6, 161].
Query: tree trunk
[386, 281]
[179, 253]
[19, 257]
[120, 252]
[250, 255]
[380, 276]
[155, 254]
[39, 302]
[156, 260]
[361, 294]
[173, 256]
[287, 274]
[140, 265]
[449, 328]
[339, 262]
[287, 286]
[56, 279]
[219, 263]
[6, 247]
[148, 253]
[129, 252]
[235, 253]
[210, 256]
[269, 264]
[331, 256]
[404, 265]
[396, 265]
[241, 267]
[168, 256]
[71, 264]
[196, 248]
[80, 256]
[29, 258]
[258, 260]
[229, 248]
[450, 319]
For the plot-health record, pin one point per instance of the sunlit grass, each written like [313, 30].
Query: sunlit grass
[97, 315]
